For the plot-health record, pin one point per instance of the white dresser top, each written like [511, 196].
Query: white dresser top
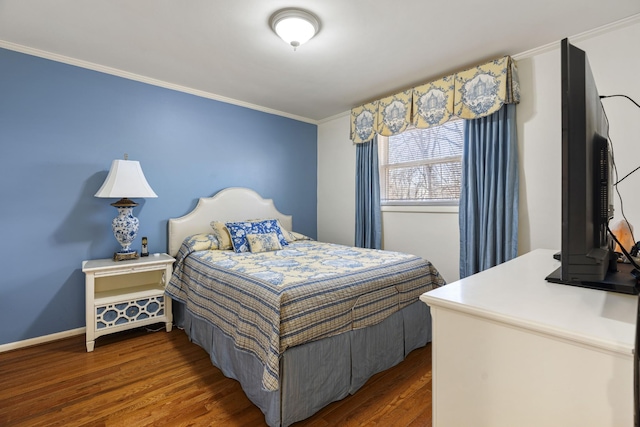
[517, 293]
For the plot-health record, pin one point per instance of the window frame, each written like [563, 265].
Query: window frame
[432, 205]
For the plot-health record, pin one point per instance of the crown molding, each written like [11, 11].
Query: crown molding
[148, 80]
[631, 20]
[336, 116]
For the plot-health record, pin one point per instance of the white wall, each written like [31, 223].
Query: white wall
[432, 235]
[613, 56]
[615, 62]
[336, 182]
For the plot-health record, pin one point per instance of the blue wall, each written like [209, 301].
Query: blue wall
[60, 128]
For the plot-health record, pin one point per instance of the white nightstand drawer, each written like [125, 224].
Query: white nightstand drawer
[130, 311]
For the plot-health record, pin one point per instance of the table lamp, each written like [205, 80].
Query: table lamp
[125, 179]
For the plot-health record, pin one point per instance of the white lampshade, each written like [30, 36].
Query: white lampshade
[294, 26]
[125, 180]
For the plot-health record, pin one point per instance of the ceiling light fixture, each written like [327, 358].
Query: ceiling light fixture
[294, 26]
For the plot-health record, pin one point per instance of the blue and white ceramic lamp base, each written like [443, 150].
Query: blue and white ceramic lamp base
[125, 228]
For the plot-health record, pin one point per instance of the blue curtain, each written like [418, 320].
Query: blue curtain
[489, 192]
[368, 215]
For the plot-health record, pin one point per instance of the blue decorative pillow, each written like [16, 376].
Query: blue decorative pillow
[263, 242]
[239, 230]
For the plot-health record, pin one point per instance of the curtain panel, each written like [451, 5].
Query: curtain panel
[477, 92]
[488, 211]
[368, 213]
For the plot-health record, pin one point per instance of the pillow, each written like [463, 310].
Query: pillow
[288, 235]
[298, 236]
[239, 231]
[263, 242]
[201, 242]
[222, 235]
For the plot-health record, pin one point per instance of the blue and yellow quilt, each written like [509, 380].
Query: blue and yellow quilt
[270, 301]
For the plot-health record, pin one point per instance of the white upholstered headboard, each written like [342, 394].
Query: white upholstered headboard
[230, 204]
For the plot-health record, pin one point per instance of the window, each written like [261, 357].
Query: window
[422, 166]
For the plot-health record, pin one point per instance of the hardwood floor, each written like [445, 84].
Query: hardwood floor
[140, 378]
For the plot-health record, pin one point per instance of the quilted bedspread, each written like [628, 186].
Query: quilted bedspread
[270, 301]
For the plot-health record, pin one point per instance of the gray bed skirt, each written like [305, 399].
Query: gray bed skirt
[315, 374]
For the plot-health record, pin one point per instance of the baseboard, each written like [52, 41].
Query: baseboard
[41, 340]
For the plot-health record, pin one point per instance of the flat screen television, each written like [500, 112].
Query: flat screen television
[587, 258]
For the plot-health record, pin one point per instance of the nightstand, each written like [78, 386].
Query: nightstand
[122, 295]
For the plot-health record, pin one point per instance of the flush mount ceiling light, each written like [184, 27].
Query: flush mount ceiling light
[294, 26]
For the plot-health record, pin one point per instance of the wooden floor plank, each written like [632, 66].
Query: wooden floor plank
[140, 378]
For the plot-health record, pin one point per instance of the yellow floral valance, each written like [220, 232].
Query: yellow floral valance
[394, 113]
[476, 92]
[364, 122]
[433, 103]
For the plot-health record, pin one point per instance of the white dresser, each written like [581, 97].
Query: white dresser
[511, 349]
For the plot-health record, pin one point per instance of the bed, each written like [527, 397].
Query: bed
[299, 326]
